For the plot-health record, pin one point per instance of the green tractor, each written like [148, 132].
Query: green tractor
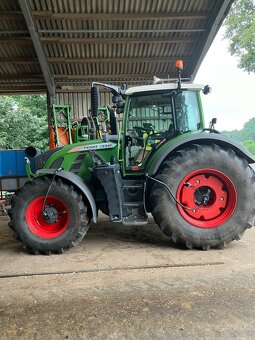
[197, 184]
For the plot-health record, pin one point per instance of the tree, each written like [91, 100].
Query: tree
[240, 30]
[248, 131]
[23, 122]
[250, 145]
[245, 134]
[34, 103]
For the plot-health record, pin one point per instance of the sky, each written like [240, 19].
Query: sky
[232, 100]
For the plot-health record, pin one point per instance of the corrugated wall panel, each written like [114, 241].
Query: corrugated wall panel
[81, 102]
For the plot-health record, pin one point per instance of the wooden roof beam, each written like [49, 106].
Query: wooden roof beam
[30, 77]
[16, 40]
[84, 60]
[4, 33]
[27, 60]
[14, 88]
[170, 40]
[60, 60]
[11, 15]
[119, 16]
[25, 8]
[120, 31]
[85, 77]
[20, 92]
[106, 16]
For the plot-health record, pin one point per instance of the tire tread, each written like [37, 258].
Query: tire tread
[169, 172]
[14, 218]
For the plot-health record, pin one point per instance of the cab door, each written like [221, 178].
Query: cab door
[149, 118]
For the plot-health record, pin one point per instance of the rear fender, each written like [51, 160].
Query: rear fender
[77, 182]
[202, 139]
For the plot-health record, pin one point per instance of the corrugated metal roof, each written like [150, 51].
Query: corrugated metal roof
[105, 40]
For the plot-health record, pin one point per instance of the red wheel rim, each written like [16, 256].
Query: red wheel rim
[222, 198]
[38, 224]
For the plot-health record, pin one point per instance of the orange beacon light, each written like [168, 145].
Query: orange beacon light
[179, 64]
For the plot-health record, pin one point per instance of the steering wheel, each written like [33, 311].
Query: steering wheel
[157, 135]
[141, 130]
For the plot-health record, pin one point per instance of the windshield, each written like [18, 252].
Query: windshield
[154, 110]
[187, 111]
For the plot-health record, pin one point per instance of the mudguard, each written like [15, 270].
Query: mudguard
[201, 138]
[77, 182]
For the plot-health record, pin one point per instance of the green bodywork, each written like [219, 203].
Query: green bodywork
[69, 155]
[112, 151]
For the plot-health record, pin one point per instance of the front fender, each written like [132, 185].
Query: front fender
[202, 139]
[77, 182]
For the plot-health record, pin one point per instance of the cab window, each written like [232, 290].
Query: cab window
[150, 118]
[187, 111]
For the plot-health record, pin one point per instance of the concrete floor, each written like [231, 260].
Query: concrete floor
[127, 283]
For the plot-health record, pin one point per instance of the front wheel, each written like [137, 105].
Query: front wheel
[48, 225]
[215, 192]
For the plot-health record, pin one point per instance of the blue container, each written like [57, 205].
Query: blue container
[12, 163]
[20, 163]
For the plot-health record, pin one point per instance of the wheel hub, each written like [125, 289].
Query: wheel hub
[210, 197]
[50, 214]
[52, 221]
[203, 196]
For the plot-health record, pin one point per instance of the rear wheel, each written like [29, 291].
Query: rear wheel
[51, 225]
[216, 192]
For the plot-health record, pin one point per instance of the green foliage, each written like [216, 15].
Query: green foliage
[250, 145]
[240, 30]
[34, 103]
[245, 135]
[23, 122]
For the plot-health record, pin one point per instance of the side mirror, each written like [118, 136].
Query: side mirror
[212, 123]
[207, 89]
[119, 104]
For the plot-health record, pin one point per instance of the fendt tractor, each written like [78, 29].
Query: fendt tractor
[197, 184]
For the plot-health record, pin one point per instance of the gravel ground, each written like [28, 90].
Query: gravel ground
[127, 283]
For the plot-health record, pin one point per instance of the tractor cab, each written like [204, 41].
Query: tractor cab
[157, 113]
[151, 116]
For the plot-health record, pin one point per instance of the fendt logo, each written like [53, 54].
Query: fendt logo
[99, 146]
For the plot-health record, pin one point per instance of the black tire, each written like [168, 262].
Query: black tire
[237, 212]
[38, 235]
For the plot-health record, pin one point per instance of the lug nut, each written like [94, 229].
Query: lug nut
[221, 198]
[197, 181]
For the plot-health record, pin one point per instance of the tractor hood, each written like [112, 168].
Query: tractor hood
[54, 158]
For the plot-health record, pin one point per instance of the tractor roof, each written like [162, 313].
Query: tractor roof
[165, 86]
